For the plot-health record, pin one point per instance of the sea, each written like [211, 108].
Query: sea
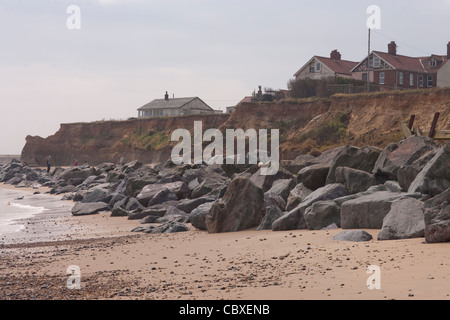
[12, 211]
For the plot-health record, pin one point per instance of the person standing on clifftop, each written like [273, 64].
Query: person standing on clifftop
[49, 164]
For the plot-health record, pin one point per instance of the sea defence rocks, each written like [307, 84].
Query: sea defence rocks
[437, 218]
[357, 158]
[353, 236]
[354, 180]
[348, 187]
[241, 208]
[369, 211]
[83, 209]
[295, 219]
[398, 155]
[322, 214]
[435, 176]
[405, 220]
[179, 188]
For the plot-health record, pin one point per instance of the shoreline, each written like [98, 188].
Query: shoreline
[56, 223]
[292, 265]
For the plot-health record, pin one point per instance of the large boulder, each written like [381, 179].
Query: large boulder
[354, 180]
[351, 157]
[395, 156]
[437, 218]
[272, 213]
[435, 176]
[198, 215]
[168, 227]
[241, 208]
[314, 177]
[180, 189]
[407, 173]
[306, 160]
[97, 195]
[322, 214]
[156, 212]
[83, 209]
[353, 236]
[369, 211]
[138, 180]
[282, 188]
[296, 196]
[79, 173]
[265, 182]
[189, 205]
[295, 219]
[404, 221]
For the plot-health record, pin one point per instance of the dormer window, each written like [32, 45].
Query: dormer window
[433, 63]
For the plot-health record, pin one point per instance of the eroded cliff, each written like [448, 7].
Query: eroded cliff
[305, 126]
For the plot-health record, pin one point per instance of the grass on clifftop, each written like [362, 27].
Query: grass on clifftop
[331, 132]
[140, 139]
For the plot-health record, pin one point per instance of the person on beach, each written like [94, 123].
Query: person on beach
[76, 163]
[49, 164]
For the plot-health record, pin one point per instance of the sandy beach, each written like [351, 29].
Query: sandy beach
[250, 265]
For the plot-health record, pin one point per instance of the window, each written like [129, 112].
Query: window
[421, 81]
[311, 68]
[376, 62]
[401, 78]
[318, 67]
[370, 62]
[381, 77]
[433, 63]
[430, 81]
[364, 77]
[411, 80]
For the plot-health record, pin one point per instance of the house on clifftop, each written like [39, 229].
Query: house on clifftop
[174, 107]
[322, 67]
[391, 70]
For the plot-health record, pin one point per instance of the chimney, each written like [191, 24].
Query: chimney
[392, 48]
[448, 50]
[166, 97]
[335, 55]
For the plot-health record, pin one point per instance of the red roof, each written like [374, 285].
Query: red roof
[338, 66]
[415, 64]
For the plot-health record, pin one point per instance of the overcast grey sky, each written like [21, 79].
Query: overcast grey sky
[129, 52]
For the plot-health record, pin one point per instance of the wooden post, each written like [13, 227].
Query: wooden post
[434, 125]
[411, 122]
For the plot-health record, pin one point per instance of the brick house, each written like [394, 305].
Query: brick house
[322, 67]
[392, 71]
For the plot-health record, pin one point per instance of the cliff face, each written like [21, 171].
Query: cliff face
[147, 140]
[305, 126]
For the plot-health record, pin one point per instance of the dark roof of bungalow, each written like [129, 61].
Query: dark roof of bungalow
[175, 103]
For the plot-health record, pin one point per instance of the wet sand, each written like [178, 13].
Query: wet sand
[248, 265]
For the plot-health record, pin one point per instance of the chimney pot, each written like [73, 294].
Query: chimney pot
[392, 48]
[166, 97]
[335, 55]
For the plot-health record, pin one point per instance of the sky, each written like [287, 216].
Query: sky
[111, 57]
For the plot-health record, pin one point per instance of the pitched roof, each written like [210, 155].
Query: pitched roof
[338, 66]
[414, 64]
[167, 104]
